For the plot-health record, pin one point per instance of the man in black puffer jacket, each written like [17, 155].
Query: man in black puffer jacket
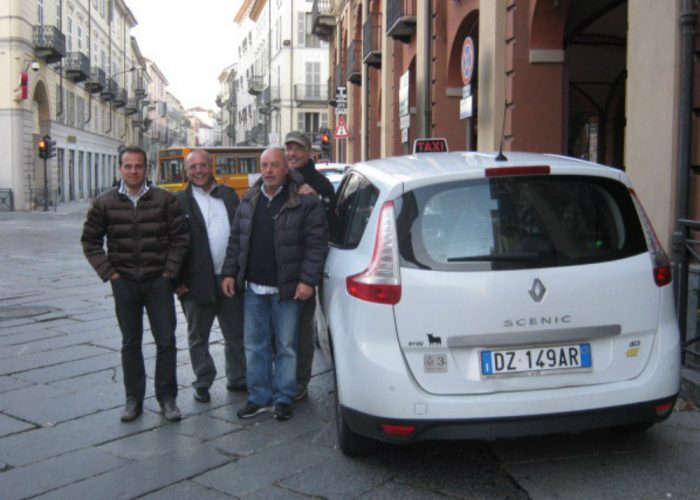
[277, 248]
[146, 244]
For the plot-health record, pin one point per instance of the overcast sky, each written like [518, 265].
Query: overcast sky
[190, 41]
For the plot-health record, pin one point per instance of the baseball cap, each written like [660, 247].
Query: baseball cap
[298, 137]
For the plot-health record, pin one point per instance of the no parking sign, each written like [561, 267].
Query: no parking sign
[467, 60]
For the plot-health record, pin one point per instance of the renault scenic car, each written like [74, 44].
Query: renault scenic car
[466, 297]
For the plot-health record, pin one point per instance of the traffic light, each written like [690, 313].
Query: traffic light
[47, 147]
[50, 146]
[325, 137]
[42, 148]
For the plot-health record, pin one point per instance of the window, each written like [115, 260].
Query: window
[70, 105]
[40, 12]
[313, 80]
[171, 171]
[225, 165]
[308, 122]
[79, 112]
[69, 34]
[79, 38]
[301, 29]
[521, 222]
[249, 164]
[59, 16]
[356, 200]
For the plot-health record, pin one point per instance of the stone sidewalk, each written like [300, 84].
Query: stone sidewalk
[61, 396]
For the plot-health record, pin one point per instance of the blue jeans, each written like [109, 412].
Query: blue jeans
[270, 328]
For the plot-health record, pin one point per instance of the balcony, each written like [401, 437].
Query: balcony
[354, 65]
[372, 40]
[139, 87]
[401, 19]
[120, 98]
[255, 84]
[96, 82]
[77, 66]
[271, 96]
[322, 19]
[132, 106]
[49, 43]
[310, 93]
[231, 130]
[110, 90]
[249, 136]
[220, 100]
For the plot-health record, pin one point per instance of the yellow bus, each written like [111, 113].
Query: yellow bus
[234, 166]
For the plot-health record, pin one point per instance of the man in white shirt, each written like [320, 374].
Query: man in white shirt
[209, 209]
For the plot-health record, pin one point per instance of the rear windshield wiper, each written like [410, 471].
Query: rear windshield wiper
[509, 257]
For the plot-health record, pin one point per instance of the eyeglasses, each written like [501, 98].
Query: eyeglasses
[198, 166]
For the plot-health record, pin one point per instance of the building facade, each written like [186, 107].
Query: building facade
[281, 77]
[598, 80]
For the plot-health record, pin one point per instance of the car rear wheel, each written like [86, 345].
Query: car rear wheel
[350, 443]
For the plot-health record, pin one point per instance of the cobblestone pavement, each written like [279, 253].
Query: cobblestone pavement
[61, 396]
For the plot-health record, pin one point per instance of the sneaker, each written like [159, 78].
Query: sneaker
[201, 394]
[250, 410]
[132, 409]
[170, 410]
[282, 411]
[301, 394]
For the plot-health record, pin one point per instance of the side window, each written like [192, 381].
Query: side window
[356, 200]
[249, 165]
[225, 165]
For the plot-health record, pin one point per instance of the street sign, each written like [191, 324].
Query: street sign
[467, 60]
[341, 129]
[465, 108]
[341, 100]
[404, 121]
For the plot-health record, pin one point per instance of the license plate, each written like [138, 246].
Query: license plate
[535, 359]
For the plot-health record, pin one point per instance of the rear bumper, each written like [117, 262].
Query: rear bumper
[497, 428]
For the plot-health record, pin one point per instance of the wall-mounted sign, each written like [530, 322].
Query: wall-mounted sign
[467, 60]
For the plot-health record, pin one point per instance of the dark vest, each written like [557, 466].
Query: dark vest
[262, 264]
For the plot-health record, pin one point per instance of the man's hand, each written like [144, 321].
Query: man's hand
[167, 275]
[228, 286]
[306, 189]
[303, 291]
[181, 290]
[114, 276]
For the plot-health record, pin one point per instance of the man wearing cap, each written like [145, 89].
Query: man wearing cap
[300, 157]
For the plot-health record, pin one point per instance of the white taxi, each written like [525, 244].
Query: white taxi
[467, 297]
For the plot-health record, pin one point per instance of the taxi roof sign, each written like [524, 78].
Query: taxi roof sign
[430, 146]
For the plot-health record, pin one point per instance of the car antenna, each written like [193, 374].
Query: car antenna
[501, 156]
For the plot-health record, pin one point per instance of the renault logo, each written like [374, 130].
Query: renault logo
[537, 290]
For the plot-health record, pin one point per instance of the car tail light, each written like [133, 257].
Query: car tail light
[510, 171]
[659, 259]
[395, 430]
[380, 282]
[664, 409]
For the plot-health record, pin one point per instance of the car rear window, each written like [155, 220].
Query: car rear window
[519, 222]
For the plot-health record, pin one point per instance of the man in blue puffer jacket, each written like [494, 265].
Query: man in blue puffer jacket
[278, 245]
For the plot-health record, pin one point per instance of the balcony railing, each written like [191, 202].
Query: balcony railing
[311, 41]
[322, 19]
[231, 130]
[271, 95]
[249, 136]
[354, 65]
[110, 90]
[132, 106]
[49, 43]
[310, 92]
[255, 84]
[371, 40]
[120, 98]
[77, 66]
[401, 19]
[140, 87]
[97, 80]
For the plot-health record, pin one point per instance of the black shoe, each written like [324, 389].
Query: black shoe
[301, 394]
[236, 388]
[170, 410]
[250, 410]
[282, 411]
[201, 394]
[132, 409]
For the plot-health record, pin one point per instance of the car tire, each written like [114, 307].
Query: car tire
[350, 443]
